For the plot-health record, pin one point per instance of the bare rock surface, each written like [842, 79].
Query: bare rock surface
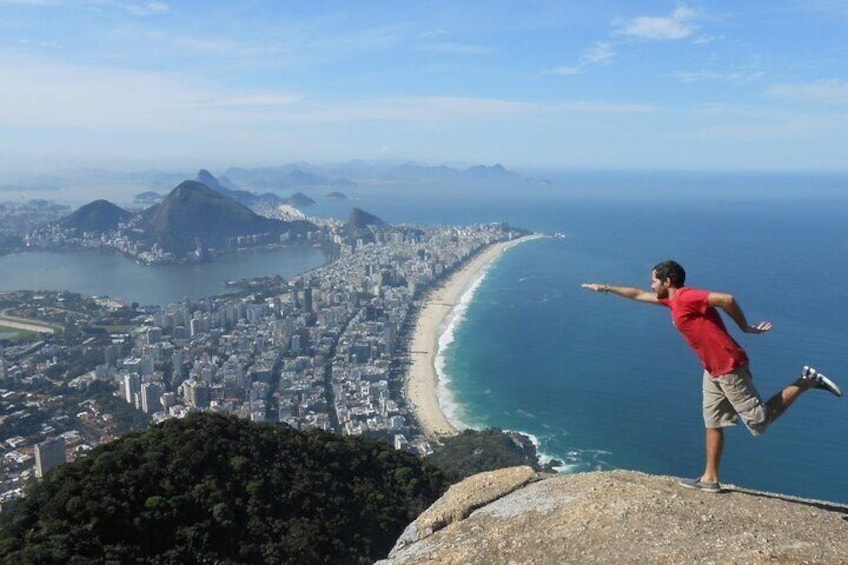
[517, 516]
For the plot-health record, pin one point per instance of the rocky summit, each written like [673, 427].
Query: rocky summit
[519, 516]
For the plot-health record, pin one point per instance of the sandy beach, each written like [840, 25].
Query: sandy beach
[422, 381]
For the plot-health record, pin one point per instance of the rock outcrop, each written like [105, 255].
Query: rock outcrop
[519, 516]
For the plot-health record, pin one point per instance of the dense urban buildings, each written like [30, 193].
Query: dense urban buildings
[327, 349]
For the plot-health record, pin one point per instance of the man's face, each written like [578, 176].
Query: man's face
[658, 286]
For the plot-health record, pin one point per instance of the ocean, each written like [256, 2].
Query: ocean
[602, 382]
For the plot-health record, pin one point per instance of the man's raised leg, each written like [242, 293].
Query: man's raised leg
[810, 378]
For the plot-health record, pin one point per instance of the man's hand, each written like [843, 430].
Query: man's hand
[760, 328]
[596, 287]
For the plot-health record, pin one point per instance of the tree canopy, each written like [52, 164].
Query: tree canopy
[217, 489]
[473, 452]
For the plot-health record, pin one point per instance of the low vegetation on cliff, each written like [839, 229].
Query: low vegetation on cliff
[473, 452]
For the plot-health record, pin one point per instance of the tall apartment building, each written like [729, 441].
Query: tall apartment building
[154, 335]
[131, 387]
[196, 394]
[150, 394]
[48, 454]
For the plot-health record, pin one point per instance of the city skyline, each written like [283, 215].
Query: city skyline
[533, 85]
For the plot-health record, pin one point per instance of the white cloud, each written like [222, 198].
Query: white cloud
[423, 109]
[40, 44]
[565, 71]
[225, 47]
[707, 39]
[257, 100]
[456, 48]
[830, 92]
[728, 121]
[147, 8]
[606, 107]
[34, 2]
[735, 77]
[662, 28]
[44, 95]
[599, 53]
[799, 128]
[134, 8]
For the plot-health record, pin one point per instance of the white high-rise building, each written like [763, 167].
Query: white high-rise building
[132, 385]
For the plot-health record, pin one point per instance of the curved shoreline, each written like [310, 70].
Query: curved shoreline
[422, 382]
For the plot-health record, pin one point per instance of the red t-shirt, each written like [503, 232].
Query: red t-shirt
[704, 331]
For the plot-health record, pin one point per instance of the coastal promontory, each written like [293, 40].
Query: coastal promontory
[517, 516]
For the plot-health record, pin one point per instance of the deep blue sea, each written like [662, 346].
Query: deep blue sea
[603, 382]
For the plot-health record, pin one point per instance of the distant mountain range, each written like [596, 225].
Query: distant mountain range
[193, 215]
[226, 187]
[316, 181]
[303, 174]
[287, 177]
[264, 185]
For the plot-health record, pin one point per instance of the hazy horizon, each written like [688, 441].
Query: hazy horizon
[79, 187]
[654, 85]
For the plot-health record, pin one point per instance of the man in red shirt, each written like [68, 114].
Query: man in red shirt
[728, 388]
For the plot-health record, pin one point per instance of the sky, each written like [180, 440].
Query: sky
[134, 85]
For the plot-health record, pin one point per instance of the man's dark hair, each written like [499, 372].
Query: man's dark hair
[671, 270]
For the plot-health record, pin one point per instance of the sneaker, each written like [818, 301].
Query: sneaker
[817, 380]
[698, 484]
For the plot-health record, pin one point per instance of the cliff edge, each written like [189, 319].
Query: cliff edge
[518, 516]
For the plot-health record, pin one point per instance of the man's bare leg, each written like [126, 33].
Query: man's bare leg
[778, 403]
[715, 445]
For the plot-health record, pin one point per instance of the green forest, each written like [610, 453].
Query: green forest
[216, 489]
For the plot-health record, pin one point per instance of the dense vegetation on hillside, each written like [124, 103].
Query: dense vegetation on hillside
[216, 489]
[193, 211]
[99, 216]
[473, 452]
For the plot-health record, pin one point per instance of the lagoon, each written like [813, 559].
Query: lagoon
[93, 273]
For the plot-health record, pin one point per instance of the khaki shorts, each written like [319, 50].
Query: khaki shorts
[728, 397]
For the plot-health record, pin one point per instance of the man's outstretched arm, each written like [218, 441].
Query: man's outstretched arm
[728, 303]
[625, 291]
